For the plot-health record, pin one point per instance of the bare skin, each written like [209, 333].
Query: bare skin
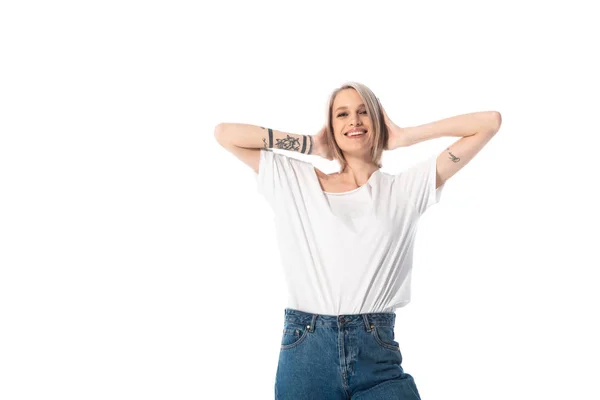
[349, 113]
[332, 184]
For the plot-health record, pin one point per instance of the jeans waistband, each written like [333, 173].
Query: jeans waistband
[368, 320]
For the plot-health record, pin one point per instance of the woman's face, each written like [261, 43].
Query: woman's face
[350, 114]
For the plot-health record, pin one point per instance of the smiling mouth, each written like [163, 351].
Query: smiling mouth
[355, 134]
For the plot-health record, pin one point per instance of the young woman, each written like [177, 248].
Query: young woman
[346, 239]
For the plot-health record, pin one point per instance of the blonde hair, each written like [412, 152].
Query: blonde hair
[379, 132]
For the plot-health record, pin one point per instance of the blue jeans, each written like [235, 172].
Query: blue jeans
[343, 357]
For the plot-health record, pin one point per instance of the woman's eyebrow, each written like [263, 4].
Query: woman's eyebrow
[360, 105]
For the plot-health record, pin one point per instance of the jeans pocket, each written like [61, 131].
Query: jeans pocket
[293, 335]
[384, 336]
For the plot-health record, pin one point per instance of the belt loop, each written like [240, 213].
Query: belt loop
[311, 328]
[368, 324]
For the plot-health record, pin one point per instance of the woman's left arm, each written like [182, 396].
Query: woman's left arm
[476, 129]
[487, 122]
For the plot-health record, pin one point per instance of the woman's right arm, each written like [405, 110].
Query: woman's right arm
[245, 141]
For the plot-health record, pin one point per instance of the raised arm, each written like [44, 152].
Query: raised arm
[476, 129]
[245, 141]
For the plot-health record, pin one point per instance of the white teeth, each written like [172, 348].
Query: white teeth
[356, 133]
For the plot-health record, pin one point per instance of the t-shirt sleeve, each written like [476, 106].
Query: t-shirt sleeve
[418, 184]
[279, 175]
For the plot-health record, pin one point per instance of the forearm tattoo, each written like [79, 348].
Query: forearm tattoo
[452, 156]
[289, 143]
[265, 140]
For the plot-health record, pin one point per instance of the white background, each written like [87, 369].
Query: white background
[138, 261]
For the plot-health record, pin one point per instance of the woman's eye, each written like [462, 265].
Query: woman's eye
[362, 112]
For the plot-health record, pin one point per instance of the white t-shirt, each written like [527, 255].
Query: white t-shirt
[351, 252]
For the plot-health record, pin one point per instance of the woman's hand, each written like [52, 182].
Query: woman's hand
[397, 135]
[320, 147]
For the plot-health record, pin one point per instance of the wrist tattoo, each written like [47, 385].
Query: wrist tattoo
[293, 144]
[289, 143]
